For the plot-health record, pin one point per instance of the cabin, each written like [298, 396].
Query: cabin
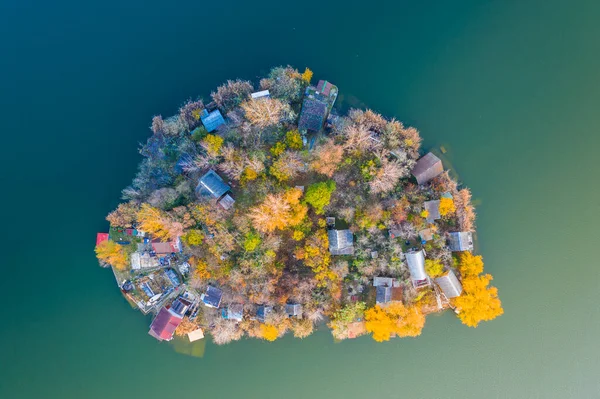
[165, 248]
[427, 168]
[341, 242]
[212, 185]
[449, 285]
[164, 324]
[212, 297]
[313, 114]
[260, 95]
[211, 120]
[416, 267]
[262, 312]
[234, 312]
[460, 241]
[180, 306]
[433, 210]
[294, 310]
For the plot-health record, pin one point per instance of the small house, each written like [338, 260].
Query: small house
[341, 242]
[433, 210]
[164, 324]
[449, 285]
[313, 114]
[212, 120]
[260, 94]
[161, 248]
[212, 297]
[387, 290]
[226, 202]
[460, 241]
[416, 267]
[212, 185]
[262, 312]
[294, 310]
[235, 312]
[173, 277]
[427, 168]
[180, 306]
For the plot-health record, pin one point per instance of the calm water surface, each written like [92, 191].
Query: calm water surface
[510, 88]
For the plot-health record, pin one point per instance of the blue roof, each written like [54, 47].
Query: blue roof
[262, 312]
[173, 277]
[212, 120]
[212, 297]
[212, 184]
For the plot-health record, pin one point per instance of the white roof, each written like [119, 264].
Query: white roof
[449, 285]
[260, 94]
[196, 335]
[416, 265]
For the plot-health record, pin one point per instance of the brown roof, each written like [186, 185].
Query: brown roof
[427, 168]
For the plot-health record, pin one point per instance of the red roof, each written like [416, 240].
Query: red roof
[164, 247]
[101, 237]
[164, 324]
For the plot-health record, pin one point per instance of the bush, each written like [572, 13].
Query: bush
[318, 195]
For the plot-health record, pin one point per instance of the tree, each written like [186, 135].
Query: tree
[380, 323]
[465, 213]
[327, 158]
[395, 318]
[111, 253]
[284, 83]
[269, 332]
[287, 166]
[387, 176]
[193, 237]
[278, 211]
[185, 327]
[251, 241]
[315, 254]
[446, 206]
[434, 267]
[293, 140]
[307, 75]
[212, 144]
[478, 302]
[302, 328]
[265, 112]
[124, 215]
[232, 93]
[469, 264]
[318, 195]
[158, 223]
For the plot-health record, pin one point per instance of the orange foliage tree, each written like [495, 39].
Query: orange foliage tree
[446, 206]
[265, 112]
[279, 211]
[157, 223]
[469, 264]
[111, 253]
[269, 332]
[394, 319]
[478, 302]
[327, 158]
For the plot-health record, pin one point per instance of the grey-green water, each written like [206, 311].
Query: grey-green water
[510, 88]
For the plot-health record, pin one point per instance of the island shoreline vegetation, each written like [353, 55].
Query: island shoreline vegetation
[264, 212]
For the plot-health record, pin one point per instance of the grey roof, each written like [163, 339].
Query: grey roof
[262, 312]
[293, 309]
[433, 210]
[313, 114]
[235, 311]
[449, 285]
[384, 294]
[227, 201]
[212, 297]
[383, 281]
[180, 306]
[416, 265]
[212, 184]
[460, 241]
[212, 121]
[341, 242]
[427, 168]
[260, 94]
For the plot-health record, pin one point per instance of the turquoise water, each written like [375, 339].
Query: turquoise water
[510, 88]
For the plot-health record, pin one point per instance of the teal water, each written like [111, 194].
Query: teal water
[510, 88]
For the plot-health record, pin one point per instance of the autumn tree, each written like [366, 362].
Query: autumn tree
[318, 195]
[387, 176]
[287, 166]
[446, 206]
[307, 75]
[110, 253]
[158, 223]
[478, 302]
[268, 332]
[315, 254]
[327, 158]
[465, 212]
[379, 323]
[278, 211]
[293, 140]
[302, 328]
[285, 83]
[185, 327]
[395, 318]
[469, 264]
[265, 112]
[124, 215]
[434, 267]
[212, 144]
[232, 93]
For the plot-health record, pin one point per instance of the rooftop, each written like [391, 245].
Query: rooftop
[341, 242]
[313, 114]
[427, 168]
[460, 241]
[449, 285]
[433, 210]
[212, 120]
[416, 266]
[164, 324]
[212, 297]
[211, 184]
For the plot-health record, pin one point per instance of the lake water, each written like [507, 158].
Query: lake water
[510, 88]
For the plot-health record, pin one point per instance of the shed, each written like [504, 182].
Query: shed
[212, 297]
[416, 267]
[460, 241]
[294, 310]
[101, 237]
[260, 94]
[449, 285]
[433, 210]
[212, 120]
[143, 261]
[235, 312]
[262, 312]
[196, 335]
[313, 114]
[164, 324]
[211, 184]
[427, 168]
[341, 242]
[227, 201]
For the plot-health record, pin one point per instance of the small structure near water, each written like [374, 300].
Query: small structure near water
[427, 168]
[449, 284]
[212, 120]
[460, 241]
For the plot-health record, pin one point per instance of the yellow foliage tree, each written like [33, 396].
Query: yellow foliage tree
[446, 206]
[379, 323]
[153, 221]
[293, 140]
[269, 332]
[478, 302]
[469, 264]
[212, 144]
[279, 211]
[434, 268]
[200, 268]
[315, 254]
[307, 75]
[394, 319]
[111, 253]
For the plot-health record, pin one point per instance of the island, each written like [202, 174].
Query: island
[266, 211]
